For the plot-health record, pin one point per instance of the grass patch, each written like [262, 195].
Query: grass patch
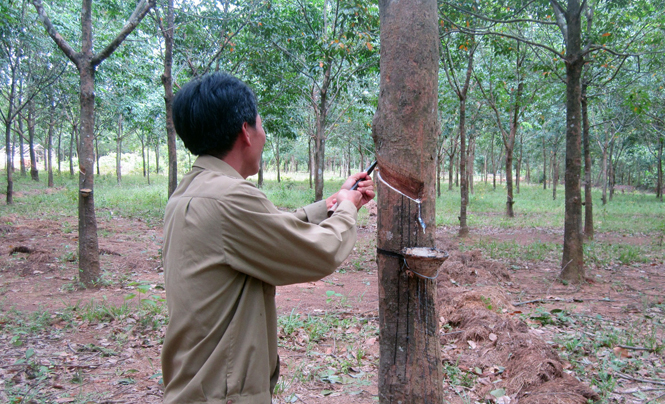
[629, 213]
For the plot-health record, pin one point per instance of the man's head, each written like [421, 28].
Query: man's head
[208, 113]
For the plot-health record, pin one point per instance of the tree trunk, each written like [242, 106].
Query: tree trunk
[59, 152]
[167, 82]
[157, 157]
[97, 156]
[118, 151]
[470, 161]
[610, 169]
[464, 189]
[147, 160]
[71, 150]
[509, 183]
[260, 180]
[21, 146]
[544, 164]
[555, 174]
[319, 156]
[143, 157]
[604, 177]
[588, 201]
[518, 172]
[572, 262]
[405, 135]
[438, 176]
[49, 146]
[451, 167]
[8, 138]
[34, 171]
[659, 193]
[310, 161]
[89, 270]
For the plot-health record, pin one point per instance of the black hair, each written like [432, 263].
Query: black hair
[208, 113]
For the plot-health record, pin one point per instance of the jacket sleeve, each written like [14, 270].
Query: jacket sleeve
[278, 247]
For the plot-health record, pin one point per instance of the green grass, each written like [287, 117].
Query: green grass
[629, 213]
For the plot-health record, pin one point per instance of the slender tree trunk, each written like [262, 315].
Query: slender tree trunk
[118, 151]
[19, 127]
[509, 183]
[147, 159]
[572, 262]
[588, 201]
[319, 156]
[464, 189]
[59, 152]
[167, 82]
[71, 150]
[49, 146]
[34, 171]
[555, 174]
[544, 164]
[604, 177]
[610, 169]
[659, 193]
[470, 161]
[143, 157]
[260, 179]
[157, 157]
[97, 157]
[451, 167]
[310, 161]
[518, 170]
[405, 138]
[8, 137]
[438, 176]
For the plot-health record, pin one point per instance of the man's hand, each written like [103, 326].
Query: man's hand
[365, 189]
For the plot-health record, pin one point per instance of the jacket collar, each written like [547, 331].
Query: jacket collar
[208, 162]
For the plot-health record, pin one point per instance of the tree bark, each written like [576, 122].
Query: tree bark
[319, 152]
[518, 170]
[71, 149]
[588, 201]
[167, 82]
[49, 145]
[18, 126]
[118, 151]
[34, 171]
[405, 135]
[544, 164]
[572, 262]
[659, 193]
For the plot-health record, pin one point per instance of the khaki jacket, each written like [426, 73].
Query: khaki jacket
[226, 247]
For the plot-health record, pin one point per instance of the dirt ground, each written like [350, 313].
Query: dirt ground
[493, 347]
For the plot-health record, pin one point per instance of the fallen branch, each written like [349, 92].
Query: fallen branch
[576, 300]
[636, 348]
[635, 379]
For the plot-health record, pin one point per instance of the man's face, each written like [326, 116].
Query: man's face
[258, 138]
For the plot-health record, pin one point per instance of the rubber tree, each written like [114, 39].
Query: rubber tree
[461, 90]
[167, 30]
[405, 135]
[86, 62]
[328, 44]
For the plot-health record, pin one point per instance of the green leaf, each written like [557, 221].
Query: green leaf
[498, 393]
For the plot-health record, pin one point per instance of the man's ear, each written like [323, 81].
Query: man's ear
[243, 136]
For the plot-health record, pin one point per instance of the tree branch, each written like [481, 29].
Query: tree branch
[560, 15]
[139, 12]
[53, 33]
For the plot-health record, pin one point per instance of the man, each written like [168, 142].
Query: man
[226, 247]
